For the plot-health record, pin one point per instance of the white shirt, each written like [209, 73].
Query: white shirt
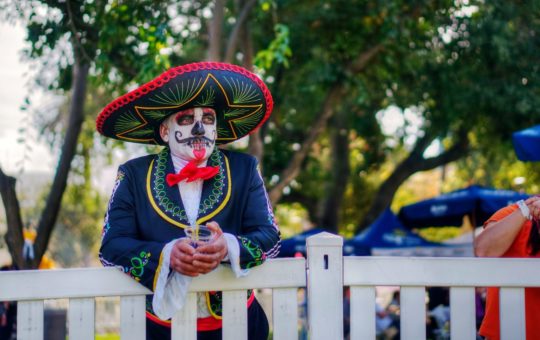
[170, 291]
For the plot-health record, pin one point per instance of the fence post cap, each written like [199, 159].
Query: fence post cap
[325, 239]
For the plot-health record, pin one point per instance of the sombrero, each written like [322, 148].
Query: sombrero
[241, 100]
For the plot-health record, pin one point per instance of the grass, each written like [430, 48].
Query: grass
[108, 336]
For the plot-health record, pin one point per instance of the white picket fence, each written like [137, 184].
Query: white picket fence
[326, 273]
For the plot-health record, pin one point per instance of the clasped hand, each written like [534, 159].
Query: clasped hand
[534, 206]
[191, 261]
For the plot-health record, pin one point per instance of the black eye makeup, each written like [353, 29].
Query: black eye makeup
[185, 119]
[208, 118]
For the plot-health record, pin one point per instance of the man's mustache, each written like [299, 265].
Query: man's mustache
[190, 140]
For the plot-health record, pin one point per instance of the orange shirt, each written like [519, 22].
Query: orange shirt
[490, 325]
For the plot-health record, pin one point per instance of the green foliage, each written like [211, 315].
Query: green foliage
[291, 219]
[278, 51]
[78, 229]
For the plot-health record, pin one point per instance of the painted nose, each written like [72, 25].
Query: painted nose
[198, 129]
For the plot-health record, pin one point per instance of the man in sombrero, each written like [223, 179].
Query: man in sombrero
[190, 110]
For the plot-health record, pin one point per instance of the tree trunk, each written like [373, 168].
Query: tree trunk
[340, 171]
[333, 98]
[14, 235]
[69, 148]
[215, 30]
[239, 31]
[413, 163]
[255, 144]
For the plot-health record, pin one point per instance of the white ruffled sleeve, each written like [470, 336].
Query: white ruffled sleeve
[233, 255]
[171, 288]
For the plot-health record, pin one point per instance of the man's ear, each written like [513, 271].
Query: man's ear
[164, 132]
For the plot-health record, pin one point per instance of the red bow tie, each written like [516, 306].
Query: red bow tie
[191, 173]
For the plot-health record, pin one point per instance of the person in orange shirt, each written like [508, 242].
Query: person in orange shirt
[513, 231]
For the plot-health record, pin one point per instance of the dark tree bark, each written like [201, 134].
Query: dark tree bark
[215, 30]
[255, 145]
[413, 163]
[239, 31]
[340, 171]
[14, 234]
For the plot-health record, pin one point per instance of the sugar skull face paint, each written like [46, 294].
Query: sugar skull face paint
[191, 134]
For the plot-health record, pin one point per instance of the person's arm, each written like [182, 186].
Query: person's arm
[260, 237]
[121, 244]
[499, 234]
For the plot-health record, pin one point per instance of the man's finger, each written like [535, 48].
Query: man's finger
[214, 227]
[200, 257]
[185, 247]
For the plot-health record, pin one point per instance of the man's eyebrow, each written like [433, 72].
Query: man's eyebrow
[209, 110]
[184, 112]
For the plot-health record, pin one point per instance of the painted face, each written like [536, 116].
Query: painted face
[191, 134]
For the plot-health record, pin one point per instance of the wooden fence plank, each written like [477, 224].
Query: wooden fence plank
[413, 313]
[184, 323]
[441, 271]
[285, 313]
[132, 317]
[462, 313]
[235, 315]
[325, 286]
[20, 285]
[362, 313]
[275, 273]
[512, 313]
[81, 318]
[30, 320]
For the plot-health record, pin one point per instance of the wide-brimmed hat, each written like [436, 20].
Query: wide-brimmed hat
[241, 100]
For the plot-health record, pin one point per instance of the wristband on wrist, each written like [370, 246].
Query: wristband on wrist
[525, 211]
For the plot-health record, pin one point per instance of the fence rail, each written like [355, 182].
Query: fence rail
[326, 272]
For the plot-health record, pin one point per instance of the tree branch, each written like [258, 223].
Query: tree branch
[360, 63]
[415, 162]
[76, 35]
[292, 170]
[332, 98]
[232, 42]
[215, 29]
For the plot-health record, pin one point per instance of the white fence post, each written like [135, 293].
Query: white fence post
[512, 313]
[325, 286]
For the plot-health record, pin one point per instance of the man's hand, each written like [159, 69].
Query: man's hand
[208, 256]
[534, 206]
[182, 258]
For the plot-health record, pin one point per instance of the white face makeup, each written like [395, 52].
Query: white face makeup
[191, 134]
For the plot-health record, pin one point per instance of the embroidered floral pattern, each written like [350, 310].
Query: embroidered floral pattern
[159, 188]
[218, 185]
[106, 226]
[256, 253]
[208, 204]
[137, 265]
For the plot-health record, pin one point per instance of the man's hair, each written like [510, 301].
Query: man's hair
[534, 238]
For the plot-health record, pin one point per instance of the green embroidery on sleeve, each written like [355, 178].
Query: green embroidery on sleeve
[137, 265]
[254, 251]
